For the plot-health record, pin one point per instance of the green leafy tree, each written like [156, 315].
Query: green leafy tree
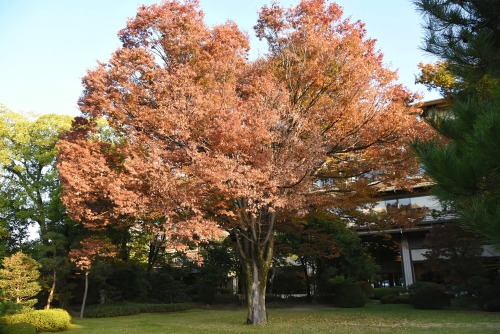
[19, 279]
[218, 261]
[437, 77]
[465, 161]
[323, 245]
[29, 186]
[30, 193]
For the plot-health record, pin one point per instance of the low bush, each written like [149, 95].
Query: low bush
[490, 297]
[20, 328]
[378, 293]
[8, 307]
[111, 310]
[428, 296]
[395, 299]
[53, 320]
[468, 302]
[152, 308]
[348, 294]
[117, 310]
[367, 289]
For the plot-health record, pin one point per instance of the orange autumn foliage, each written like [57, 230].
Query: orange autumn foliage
[207, 139]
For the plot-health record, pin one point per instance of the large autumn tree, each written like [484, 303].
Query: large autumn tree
[205, 139]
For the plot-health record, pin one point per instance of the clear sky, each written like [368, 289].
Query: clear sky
[47, 46]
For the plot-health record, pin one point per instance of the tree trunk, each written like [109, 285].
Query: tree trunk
[52, 289]
[256, 278]
[254, 246]
[85, 294]
[303, 264]
[154, 249]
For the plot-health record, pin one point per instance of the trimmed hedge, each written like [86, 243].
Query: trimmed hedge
[117, 310]
[111, 310]
[20, 328]
[53, 320]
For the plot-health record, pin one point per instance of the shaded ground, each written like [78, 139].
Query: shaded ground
[391, 319]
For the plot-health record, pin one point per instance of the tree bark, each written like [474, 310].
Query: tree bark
[52, 289]
[256, 278]
[255, 245]
[85, 294]
[303, 264]
[154, 249]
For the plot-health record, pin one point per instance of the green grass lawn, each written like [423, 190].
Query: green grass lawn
[369, 319]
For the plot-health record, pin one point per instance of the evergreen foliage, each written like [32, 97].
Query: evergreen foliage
[8, 307]
[466, 33]
[465, 161]
[18, 279]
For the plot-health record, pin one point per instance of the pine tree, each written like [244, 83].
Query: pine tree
[465, 161]
[18, 279]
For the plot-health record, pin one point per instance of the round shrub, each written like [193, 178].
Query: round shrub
[53, 320]
[348, 295]
[20, 328]
[428, 296]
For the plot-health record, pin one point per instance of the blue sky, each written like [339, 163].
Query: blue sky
[47, 46]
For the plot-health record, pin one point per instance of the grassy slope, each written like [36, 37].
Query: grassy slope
[370, 319]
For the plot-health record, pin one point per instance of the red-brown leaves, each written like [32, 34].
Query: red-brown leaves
[91, 250]
[195, 127]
